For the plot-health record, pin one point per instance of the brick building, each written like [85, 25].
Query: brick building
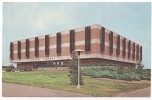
[100, 45]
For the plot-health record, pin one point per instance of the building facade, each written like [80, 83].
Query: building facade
[100, 45]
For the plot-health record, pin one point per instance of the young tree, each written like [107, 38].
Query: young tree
[73, 72]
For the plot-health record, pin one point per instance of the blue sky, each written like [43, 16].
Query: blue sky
[25, 20]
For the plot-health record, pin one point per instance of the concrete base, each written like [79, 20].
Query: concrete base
[78, 87]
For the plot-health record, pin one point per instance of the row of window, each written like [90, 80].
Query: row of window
[38, 59]
[58, 45]
[102, 46]
[47, 64]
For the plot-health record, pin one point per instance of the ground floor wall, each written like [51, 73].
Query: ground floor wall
[65, 63]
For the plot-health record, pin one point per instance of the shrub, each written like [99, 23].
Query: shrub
[9, 68]
[25, 69]
[116, 73]
[129, 76]
[145, 74]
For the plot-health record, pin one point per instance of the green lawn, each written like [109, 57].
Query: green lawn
[59, 80]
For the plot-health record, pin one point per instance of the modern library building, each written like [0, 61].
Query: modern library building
[100, 45]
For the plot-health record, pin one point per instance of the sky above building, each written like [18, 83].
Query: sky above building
[25, 20]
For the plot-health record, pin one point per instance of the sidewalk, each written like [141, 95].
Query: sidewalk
[138, 93]
[16, 90]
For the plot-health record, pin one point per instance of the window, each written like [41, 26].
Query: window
[58, 41]
[118, 45]
[27, 48]
[47, 45]
[133, 54]
[58, 63]
[140, 53]
[36, 46]
[102, 36]
[137, 52]
[72, 41]
[124, 47]
[87, 38]
[11, 50]
[19, 49]
[111, 42]
[61, 63]
[129, 48]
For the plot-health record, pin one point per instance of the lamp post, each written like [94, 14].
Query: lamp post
[136, 66]
[78, 51]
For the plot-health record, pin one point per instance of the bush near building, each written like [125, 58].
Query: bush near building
[8, 68]
[117, 73]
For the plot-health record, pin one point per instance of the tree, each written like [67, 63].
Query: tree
[140, 66]
[73, 73]
[144, 74]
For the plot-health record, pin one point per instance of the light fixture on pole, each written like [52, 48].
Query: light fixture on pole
[78, 51]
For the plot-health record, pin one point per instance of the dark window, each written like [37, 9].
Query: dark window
[27, 48]
[118, 45]
[129, 48]
[72, 40]
[124, 47]
[133, 53]
[87, 38]
[137, 52]
[102, 35]
[19, 49]
[11, 50]
[111, 42]
[36, 47]
[47, 45]
[58, 39]
[140, 53]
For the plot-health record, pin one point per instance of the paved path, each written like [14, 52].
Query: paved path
[16, 90]
[138, 93]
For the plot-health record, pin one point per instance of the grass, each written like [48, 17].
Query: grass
[59, 80]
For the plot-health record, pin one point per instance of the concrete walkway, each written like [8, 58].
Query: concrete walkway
[138, 93]
[16, 90]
